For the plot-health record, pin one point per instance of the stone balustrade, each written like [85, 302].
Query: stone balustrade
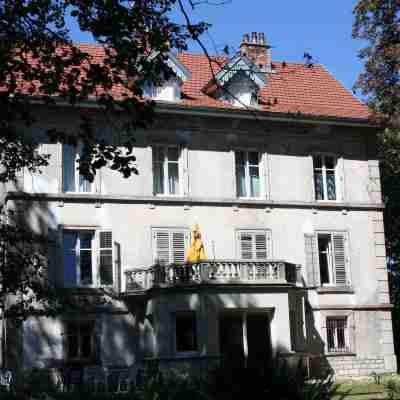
[212, 272]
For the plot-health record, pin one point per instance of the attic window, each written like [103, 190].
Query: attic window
[240, 92]
[168, 91]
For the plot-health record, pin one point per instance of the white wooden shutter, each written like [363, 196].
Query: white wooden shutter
[178, 247]
[339, 251]
[246, 245]
[254, 245]
[260, 242]
[161, 241]
[170, 246]
[312, 262]
[106, 270]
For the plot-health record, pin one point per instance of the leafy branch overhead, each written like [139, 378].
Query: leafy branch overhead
[39, 60]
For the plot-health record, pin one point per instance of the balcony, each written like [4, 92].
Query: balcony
[222, 272]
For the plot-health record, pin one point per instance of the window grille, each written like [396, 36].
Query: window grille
[337, 335]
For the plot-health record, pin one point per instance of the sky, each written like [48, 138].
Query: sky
[292, 27]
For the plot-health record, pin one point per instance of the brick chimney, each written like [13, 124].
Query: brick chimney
[257, 50]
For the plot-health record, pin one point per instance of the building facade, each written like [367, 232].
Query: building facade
[277, 164]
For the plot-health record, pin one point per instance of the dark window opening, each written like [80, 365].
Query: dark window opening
[185, 328]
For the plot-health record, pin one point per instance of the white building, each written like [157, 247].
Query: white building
[277, 164]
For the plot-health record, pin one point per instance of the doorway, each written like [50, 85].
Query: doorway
[245, 339]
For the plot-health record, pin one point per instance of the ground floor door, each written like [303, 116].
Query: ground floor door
[245, 339]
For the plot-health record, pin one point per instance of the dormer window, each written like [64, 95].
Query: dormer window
[239, 83]
[240, 92]
[169, 90]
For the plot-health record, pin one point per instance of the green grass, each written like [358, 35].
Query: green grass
[363, 389]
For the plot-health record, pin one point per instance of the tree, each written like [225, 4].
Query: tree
[39, 63]
[378, 23]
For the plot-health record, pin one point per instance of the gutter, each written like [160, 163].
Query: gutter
[164, 107]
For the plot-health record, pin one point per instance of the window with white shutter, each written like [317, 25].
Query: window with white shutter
[88, 258]
[170, 246]
[254, 245]
[333, 258]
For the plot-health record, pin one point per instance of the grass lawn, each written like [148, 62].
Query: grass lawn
[366, 389]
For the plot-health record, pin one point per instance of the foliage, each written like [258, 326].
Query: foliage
[392, 389]
[279, 381]
[24, 280]
[377, 23]
[39, 64]
[39, 60]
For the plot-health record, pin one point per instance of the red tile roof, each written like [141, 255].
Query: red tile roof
[291, 88]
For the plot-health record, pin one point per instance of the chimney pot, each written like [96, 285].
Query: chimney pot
[261, 38]
[254, 37]
[246, 38]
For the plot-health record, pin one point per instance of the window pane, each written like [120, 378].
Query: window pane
[330, 184]
[86, 267]
[70, 262]
[173, 154]
[186, 333]
[240, 158]
[173, 178]
[241, 180]
[319, 186]
[329, 162]
[158, 178]
[158, 154]
[253, 158]
[84, 185]
[254, 182]
[86, 340]
[68, 170]
[317, 161]
[86, 240]
[73, 347]
[323, 248]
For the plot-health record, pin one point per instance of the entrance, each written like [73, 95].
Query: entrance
[245, 339]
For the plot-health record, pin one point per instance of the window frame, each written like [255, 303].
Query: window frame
[261, 173]
[79, 358]
[185, 314]
[253, 232]
[96, 252]
[348, 334]
[77, 175]
[170, 231]
[336, 160]
[165, 165]
[332, 268]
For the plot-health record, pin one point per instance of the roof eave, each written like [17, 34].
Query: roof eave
[264, 115]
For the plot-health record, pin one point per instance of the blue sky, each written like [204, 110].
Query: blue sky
[292, 27]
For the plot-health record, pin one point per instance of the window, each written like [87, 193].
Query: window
[337, 335]
[248, 183]
[332, 259]
[254, 245]
[169, 246]
[167, 91]
[72, 181]
[325, 177]
[79, 344]
[244, 339]
[185, 332]
[166, 170]
[81, 254]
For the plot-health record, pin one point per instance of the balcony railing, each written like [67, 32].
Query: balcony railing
[212, 272]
